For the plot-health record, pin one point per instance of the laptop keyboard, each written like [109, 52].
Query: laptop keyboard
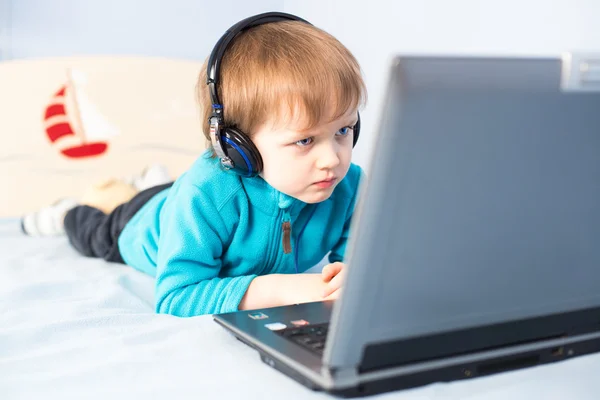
[311, 337]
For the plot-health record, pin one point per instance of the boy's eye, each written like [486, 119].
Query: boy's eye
[304, 142]
[344, 131]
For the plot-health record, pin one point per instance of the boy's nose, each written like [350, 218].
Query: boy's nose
[328, 157]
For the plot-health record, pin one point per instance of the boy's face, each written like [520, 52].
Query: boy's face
[307, 165]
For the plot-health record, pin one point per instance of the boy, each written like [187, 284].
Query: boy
[217, 241]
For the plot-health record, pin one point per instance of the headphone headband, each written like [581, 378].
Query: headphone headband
[213, 69]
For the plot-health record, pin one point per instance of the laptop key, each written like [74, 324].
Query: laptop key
[318, 346]
[293, 332]
[310, 337]
[306, 340]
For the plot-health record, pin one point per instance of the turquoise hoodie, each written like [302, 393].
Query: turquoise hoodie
[212, 232]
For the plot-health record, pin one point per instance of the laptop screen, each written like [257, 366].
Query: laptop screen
[483, 203]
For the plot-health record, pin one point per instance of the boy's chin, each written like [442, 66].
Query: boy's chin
[315, 197]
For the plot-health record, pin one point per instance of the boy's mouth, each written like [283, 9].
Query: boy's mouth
[326, 183]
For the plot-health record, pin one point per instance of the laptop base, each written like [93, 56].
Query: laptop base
[469, 370]
[452, 373]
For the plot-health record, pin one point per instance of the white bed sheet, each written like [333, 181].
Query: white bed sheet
[75, 328]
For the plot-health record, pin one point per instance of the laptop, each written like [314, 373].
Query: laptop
[475, 248]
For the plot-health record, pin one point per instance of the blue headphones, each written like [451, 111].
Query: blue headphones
[233, 147]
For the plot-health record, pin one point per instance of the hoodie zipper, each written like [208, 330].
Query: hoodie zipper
[286, 227]
[286, 236]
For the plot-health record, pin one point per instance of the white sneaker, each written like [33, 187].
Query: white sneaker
[48, 221]
[154, 175]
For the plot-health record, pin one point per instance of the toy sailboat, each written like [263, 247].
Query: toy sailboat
[72, 122]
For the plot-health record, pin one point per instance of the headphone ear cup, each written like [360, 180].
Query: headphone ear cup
[356, 131]
[242, 151]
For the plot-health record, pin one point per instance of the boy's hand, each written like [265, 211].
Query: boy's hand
[282, 289]
[333, 276]
[303, 288]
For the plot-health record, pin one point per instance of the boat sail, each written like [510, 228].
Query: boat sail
[73, 123]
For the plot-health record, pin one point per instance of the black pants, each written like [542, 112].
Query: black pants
[95, 234]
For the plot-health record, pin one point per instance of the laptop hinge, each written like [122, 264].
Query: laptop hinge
[341, 376]
[581, 72]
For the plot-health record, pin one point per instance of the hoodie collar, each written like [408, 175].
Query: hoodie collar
[270, 200]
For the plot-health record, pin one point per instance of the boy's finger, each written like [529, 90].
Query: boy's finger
[331, 270]
[336, 281]
[327, 274]
[334, 284]
[333, 296]
[328, 289]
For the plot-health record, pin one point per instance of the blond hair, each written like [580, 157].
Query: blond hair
[284, 70]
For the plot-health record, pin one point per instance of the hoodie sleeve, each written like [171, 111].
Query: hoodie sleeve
[355, 177]
[192, 237]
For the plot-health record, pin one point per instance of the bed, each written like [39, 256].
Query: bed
[73, 327]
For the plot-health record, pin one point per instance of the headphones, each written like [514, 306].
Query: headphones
[234, 148]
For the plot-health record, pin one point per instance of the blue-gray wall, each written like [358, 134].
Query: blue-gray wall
[170, 28]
